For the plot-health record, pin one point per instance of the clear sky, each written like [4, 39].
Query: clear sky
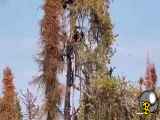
[138, 26]
[136, 22]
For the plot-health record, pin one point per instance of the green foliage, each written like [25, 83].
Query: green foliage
[94, 53]
[99, 32]
[110, 100]
[18, 109]
[105, 84]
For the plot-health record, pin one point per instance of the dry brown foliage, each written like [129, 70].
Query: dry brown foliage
[8, 102]
[50, 58]
[149, 82]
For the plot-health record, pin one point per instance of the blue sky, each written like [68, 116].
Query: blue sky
[138, 26]
[136, 22]
[19, 36]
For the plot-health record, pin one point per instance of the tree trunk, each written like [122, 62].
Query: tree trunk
[69, 83]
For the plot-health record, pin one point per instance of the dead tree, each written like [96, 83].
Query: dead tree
[69, 84]
[30, 103]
